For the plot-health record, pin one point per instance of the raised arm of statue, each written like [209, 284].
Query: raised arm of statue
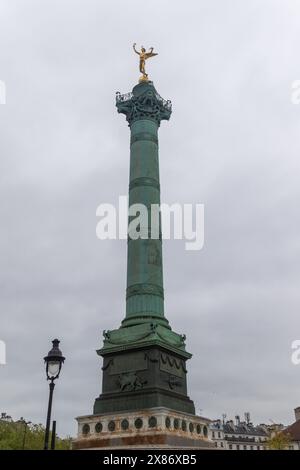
[137, 52]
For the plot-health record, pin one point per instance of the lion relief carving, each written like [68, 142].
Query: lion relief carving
[130, 381]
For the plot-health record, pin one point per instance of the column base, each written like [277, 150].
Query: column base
[145, 399]
[143, 429]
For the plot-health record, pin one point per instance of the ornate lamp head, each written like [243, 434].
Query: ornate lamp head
[54, 361]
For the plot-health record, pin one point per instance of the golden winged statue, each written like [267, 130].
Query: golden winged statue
[143, 57]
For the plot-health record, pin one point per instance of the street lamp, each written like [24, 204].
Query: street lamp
[54, 361]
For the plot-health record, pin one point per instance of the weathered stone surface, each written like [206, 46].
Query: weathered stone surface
[157, 427]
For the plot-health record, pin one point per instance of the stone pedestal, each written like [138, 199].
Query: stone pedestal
[143, 429]
[148, 374]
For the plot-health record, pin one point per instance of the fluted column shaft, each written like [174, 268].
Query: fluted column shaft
[144, 109]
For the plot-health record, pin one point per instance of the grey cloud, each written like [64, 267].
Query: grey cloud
[232, 143]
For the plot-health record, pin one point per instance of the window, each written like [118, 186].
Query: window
[230, 446]
[245, 447]
[237, 447]
[213, 435]
[219, 434]
[222, 445]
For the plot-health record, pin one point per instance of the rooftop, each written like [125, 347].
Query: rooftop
[241, 428]
[293, 430]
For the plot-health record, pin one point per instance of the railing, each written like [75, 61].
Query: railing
[245, 439]
[240, 439]
[121, 98]
[167, 104]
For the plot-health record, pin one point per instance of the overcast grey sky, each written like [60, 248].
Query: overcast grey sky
[232, 143]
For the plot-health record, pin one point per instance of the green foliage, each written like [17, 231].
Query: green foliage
[16, 435]
[280, 441]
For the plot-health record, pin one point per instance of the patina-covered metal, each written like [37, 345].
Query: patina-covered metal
[144, 359]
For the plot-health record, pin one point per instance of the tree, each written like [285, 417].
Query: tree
[16, 435]
[279, 441]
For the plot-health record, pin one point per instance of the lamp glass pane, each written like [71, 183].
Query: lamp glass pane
[53, 368]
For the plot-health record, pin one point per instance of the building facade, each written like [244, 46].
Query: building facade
[239, 435]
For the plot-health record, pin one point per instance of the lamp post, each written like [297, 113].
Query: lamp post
[53, 435]
[54, 361]
[26, 423]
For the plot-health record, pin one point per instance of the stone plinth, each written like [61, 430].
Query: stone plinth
[143, 429]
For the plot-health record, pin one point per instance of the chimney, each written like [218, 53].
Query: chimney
[297, 413]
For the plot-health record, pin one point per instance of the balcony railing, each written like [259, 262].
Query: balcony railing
[167, 104]
[122, 98]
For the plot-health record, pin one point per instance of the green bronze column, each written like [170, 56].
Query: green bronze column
[144, 360]
[144, 109]
[144, 398]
